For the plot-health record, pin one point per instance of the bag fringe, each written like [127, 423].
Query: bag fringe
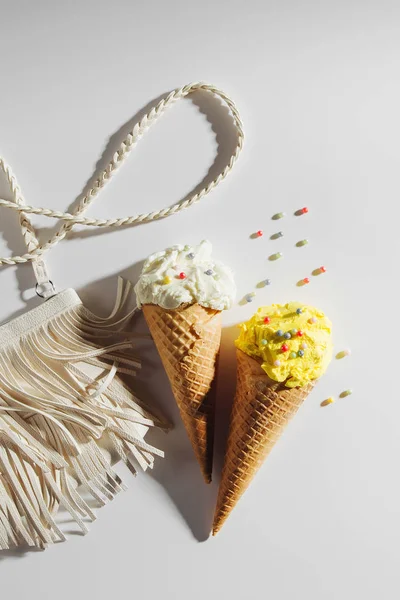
[61, 398]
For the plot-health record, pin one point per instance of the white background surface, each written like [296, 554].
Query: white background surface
[317, 84]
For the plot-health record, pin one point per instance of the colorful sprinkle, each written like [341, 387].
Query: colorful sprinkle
[293, 355]
[299, 333]
[293, 331]
[267, 320]
[167, 280]
[284, 347]
[300, 353]
[276, 256]
[190, 256]
[278, 216]
[301, 243]
[343, 353]
[322, 269]
[313, 320]
[346, 393]
[264, 342]
[249, 297]
[182, 275]
[209, 272]
[277, 363]
[279, 333]
[305, 281]
[287, 335]
[304, 346]
[276, 236]
[267, 282]
[328, 401]
[301, 211]
[299, 311]
[259, 233]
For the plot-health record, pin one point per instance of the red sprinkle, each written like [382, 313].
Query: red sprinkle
[267, 319]
[322, 269]
[284, 347]
[304, 210]
[182, 275]
[259, 233]
[306, 280]
[299, 333]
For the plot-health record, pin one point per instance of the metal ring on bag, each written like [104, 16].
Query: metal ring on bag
[53, 289]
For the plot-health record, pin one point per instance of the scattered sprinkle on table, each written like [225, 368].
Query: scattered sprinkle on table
[304, 281]
[343, 353]
[275, 256]
[250, 297]
[319, 271]
[346, 393]
[328, 401]
[266, 282]
[276, 236]
[301, 243]
[278, 216]
[301, 211]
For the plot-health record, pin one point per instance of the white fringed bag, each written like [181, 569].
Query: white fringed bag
[61, 394]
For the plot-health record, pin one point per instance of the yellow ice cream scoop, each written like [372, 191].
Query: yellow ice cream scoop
[293, 341]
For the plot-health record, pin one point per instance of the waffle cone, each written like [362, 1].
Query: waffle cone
[261, 410]
[188, 341]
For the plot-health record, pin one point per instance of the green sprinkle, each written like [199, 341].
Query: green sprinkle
[293, 355]
[279, 216]
[342, 354]
[301, 243]
[346, 393]
[264, 342]
[276, 256]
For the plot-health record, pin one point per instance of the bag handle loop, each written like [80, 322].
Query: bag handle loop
[36, 250]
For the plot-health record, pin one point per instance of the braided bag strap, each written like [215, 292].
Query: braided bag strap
[36, 250]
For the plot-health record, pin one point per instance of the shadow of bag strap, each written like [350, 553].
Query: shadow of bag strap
[37, 250]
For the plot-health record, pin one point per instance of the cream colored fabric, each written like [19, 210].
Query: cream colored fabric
[61, 399]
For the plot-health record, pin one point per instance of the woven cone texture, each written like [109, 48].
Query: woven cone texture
[188, 341]
[261, 410]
